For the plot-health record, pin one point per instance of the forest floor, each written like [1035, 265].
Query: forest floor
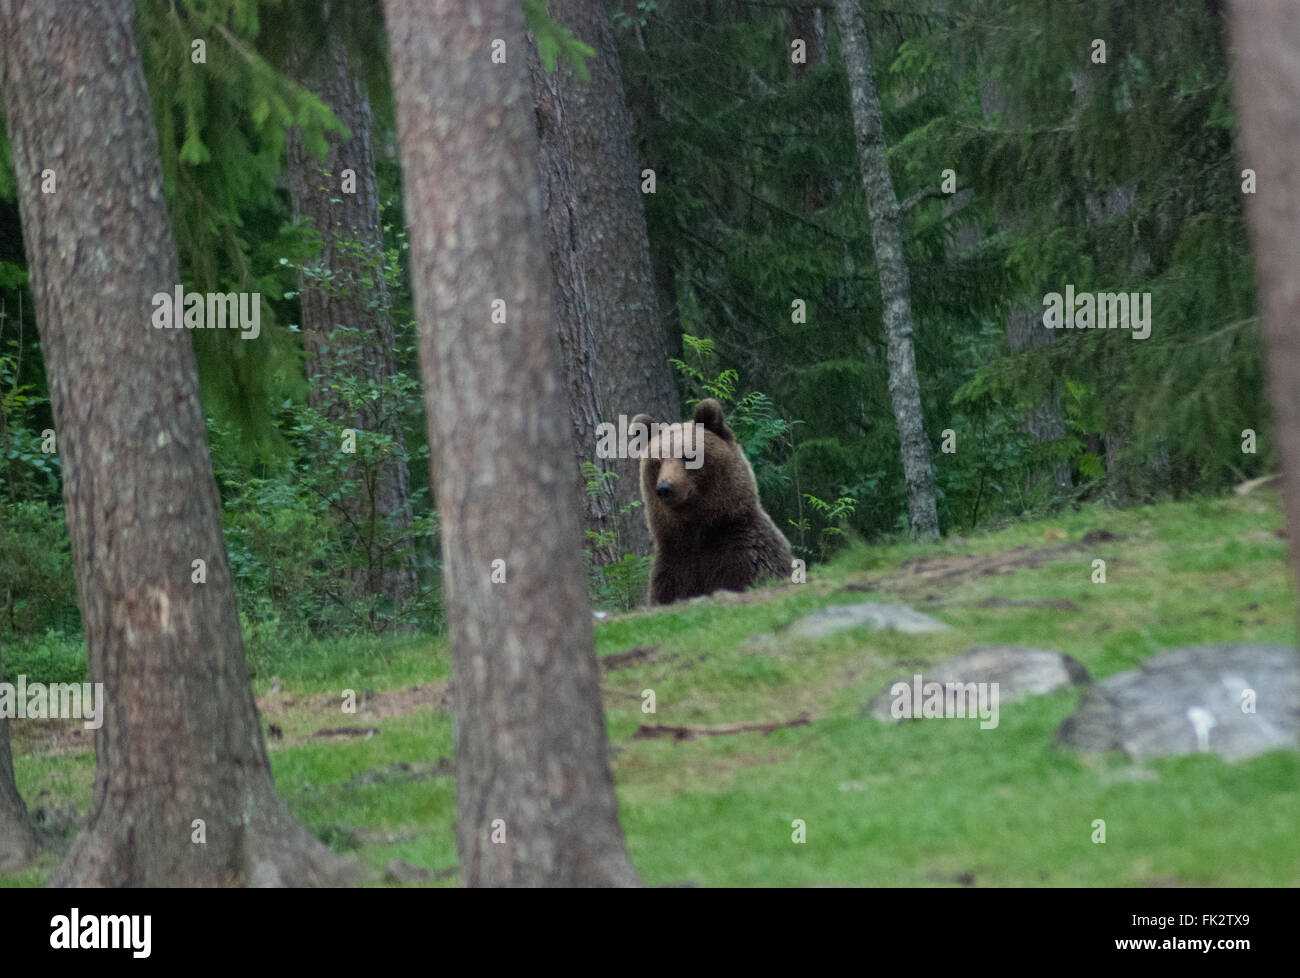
[915, 804]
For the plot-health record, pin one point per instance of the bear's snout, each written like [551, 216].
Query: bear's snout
[664, 490]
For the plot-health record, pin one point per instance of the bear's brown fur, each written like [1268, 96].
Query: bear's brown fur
[709, 527]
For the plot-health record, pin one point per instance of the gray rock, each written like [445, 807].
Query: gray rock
[1191, 700]
[1019, 672]
[841, 617]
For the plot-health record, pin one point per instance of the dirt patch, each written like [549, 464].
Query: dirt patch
[919, 573]
[59, 738]
[314, 717]
[672, 661]
[50, 738]
[1097, 536]
[388, 703]
[633, 656]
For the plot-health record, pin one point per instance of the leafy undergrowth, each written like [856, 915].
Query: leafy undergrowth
[919, 804]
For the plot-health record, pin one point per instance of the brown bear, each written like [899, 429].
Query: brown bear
[701, 501]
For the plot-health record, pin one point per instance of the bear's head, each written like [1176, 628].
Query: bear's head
[697, 468]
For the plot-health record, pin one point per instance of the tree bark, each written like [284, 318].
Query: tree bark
[534, 788]
[1266, 35]
[572, 307]
[895, 288]
[17, 835]
[354, 295]
[632, 344]
[181, 740]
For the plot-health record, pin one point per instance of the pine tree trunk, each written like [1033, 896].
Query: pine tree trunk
[181, 740]
[356, 297]
[1266, 37]
[1024, 327]
[572, 309]
[895, 289]
[17, 835]
[642, 99]
[1046, 422]
[805, 23]
[1129, 478]
[534, 788]
[632, 344]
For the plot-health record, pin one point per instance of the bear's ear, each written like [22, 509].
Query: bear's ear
[709, 413]
[647, 424]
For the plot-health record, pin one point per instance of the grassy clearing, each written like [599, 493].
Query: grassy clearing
[921, 804]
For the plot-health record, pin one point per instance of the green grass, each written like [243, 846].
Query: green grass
[919, 804]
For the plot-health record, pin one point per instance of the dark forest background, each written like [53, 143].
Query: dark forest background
[1113, 175]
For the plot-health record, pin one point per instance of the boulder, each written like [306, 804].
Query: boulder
[1019, 672]
[1197, 699]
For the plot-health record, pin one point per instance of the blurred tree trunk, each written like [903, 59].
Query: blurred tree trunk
[17, 836]
[632, 344]
[1024, 325]
[895, 288]
[181, 740]
[534, 789]
[805, 23]
[642, 98]
[1130, 477]
[1266, 37]
[572, 308]
[1046, 422]
[347, 325]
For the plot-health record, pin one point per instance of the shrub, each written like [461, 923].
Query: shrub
[37, 587]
